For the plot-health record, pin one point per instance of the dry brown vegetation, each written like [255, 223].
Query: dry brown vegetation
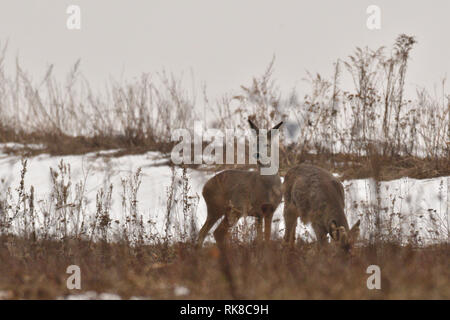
[71, 118]
[37, 270]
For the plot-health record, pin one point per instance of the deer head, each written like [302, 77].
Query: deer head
[345, 239]
[265, 143]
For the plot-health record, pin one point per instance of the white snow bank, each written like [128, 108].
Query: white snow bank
[91, 295]
[407, 205]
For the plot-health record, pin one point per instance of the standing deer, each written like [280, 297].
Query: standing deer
[317, 197]
[238, 193]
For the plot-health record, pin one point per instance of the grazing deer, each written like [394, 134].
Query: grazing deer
[317, 197]
[238, 193]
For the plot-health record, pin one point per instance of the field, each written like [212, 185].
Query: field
[87, 180]
[178, 271]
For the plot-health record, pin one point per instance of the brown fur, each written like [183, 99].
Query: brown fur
[317, 197]
[238, 193]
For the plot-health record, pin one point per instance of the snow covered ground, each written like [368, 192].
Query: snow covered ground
[407, 205]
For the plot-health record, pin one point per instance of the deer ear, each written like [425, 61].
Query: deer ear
[356, 226]
[333, 225]
[334, 230]
[277, 126]
[252, 125]
[354, 231]
[343, 237]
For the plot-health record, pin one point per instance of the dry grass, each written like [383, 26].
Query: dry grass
[360, 167]
[137, 116]
[36, 270]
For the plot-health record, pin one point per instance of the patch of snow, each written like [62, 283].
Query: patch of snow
[140, 298]
[5, 295]
[91, 295]
[404, 202]
[181, 291]
[18, 146]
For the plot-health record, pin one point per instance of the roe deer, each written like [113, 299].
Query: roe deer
[238, 193]
[317, 197]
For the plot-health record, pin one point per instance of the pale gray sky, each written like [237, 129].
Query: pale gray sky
[225, 43]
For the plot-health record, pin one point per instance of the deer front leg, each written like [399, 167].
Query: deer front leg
[268, 226]
[321, 234]
[259, 229]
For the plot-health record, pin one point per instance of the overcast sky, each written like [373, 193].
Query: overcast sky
[224, 43]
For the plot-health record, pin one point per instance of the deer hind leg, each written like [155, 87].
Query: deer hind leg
[290, 221]
[209, 223]
[222, 232]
